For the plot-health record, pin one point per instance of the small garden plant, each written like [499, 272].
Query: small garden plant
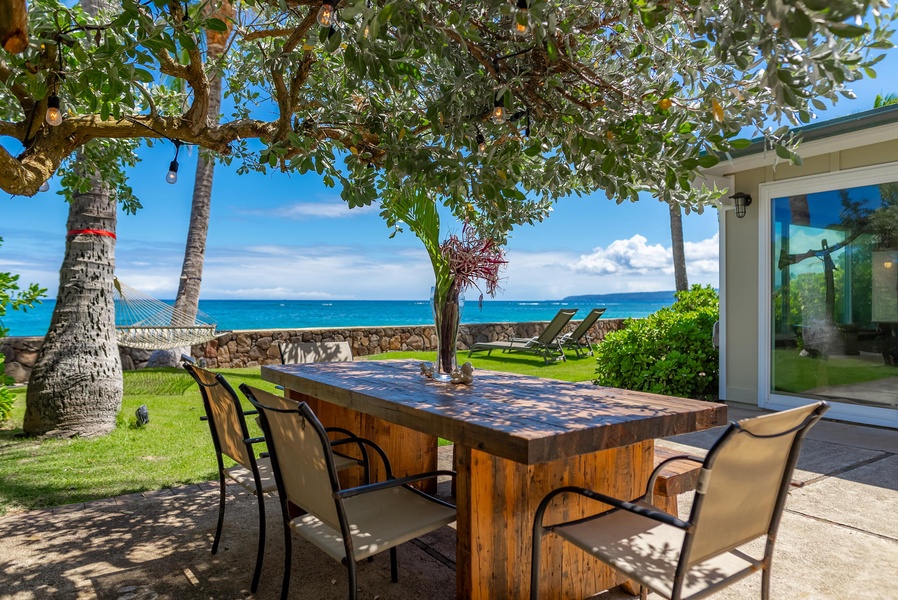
[670, 352]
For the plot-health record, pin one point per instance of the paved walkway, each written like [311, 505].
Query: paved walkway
[838, 540]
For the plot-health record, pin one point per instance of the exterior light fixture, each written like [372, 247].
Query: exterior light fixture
[498, 115]
[742, 200]
[54, 110]
[172, 175]
[519, 24]
[326, 13]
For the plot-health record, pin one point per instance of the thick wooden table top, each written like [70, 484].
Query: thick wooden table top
[529, 420]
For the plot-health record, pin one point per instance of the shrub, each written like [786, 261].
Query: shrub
[669, 352]
[6, 398]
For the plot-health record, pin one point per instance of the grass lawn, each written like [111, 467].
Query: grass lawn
[175, 447]
[795, 373]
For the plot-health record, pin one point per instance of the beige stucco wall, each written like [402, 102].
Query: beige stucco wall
[741, 259]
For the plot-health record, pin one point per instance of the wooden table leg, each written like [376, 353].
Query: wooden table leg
[497, 500]
[410, 452]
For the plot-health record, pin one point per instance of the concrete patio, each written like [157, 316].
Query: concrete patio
[838, 539]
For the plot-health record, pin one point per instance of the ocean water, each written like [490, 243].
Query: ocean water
[289, 314]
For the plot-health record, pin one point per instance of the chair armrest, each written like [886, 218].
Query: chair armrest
[650, 486]
[246, 413]
[650, 513]
[255, 440]
[391, 483]
[361, 443]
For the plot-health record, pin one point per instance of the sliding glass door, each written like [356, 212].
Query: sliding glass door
[833, 304]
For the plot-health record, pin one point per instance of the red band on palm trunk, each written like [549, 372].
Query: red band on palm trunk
[92, 232]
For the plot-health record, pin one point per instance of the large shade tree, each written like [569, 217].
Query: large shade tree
[393, 101]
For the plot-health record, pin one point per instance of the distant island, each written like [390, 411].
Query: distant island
[624, 297]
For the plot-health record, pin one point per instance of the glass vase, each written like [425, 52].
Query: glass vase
[447, 317]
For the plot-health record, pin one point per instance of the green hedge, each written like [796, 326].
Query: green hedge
[669, 352]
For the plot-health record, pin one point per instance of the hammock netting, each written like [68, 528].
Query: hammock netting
[142, 321]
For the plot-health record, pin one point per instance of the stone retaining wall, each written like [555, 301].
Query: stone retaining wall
[253, 348]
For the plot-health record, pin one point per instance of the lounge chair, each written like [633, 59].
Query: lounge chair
[578, 340]
[545, 344]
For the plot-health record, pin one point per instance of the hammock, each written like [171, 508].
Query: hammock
[142, 321]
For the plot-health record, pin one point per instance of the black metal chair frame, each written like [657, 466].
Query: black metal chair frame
[190, 366]
[687, 526]
[309, 419]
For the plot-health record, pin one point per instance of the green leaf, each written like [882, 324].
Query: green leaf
[740, 143]
[707, 161]
[845, 30]
[783, 152]
[216, 25]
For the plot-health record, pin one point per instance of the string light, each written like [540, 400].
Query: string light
[519, 22]
[498, 116]
[326, 13]
[54, 110]
[172, 175]
[45, 187]
[481, 142]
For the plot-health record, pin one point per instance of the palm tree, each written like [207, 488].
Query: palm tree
[188, 297]
[886, 100]
[75, 387]
[676, 244]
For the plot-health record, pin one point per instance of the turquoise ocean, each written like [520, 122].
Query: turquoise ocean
[292, 314]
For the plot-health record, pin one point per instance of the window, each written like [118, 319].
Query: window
[833, 277]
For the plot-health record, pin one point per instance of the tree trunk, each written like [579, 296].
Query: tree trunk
[188, 298]
[13, 26]
[75, 387]
[679, 253]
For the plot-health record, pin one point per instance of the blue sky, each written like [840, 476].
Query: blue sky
[289, 237]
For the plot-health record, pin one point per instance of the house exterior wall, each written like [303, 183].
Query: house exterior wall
[740, 260]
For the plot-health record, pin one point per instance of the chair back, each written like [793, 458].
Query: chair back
[555, 326]
[745, 479]
[300, 453]
[312, 352]
[586, 323]
[225, 414]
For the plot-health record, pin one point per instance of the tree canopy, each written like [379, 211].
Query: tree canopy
[394, 99]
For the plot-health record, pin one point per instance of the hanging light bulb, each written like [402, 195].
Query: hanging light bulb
[366, 32]
[326, 13]
[519, 22]
[45, 187]
[481, 142]
[172, 175]
[498, 115]
[54, 110]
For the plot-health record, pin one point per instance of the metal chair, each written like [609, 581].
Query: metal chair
[231, 438]
[740, 497]
[347, 524]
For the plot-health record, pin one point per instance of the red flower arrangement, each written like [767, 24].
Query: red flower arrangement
[471, 258]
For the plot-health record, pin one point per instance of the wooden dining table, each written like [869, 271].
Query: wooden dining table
[516, 438]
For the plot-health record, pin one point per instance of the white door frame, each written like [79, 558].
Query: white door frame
[807, 185]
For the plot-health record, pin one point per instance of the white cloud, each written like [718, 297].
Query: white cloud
[317, 210]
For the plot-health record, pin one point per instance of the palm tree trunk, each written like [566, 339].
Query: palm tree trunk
[188, 298]
[75, 387]
[679, 253]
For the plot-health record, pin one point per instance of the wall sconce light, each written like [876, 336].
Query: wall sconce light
[742, 200]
